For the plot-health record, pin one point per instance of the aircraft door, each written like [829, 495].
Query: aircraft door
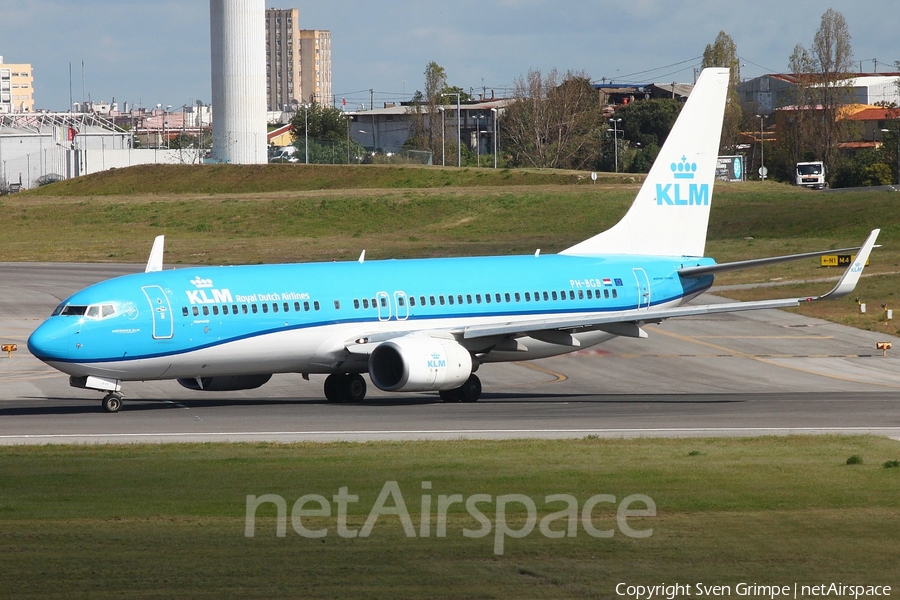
[401, 306]
[163, 325]
[643, 288]
[383, 300]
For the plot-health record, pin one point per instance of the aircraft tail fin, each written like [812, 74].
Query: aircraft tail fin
[670, 215]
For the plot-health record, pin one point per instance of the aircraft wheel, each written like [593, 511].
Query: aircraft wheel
[112, 402]
[333, 386]
[355, 388]
[470, 390]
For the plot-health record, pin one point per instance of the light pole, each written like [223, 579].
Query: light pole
[896, 133]
[458, 129]
[443, 145]
[306, 129]
[762, 150]
[616, 130]
[158, 137]
[477, 118]
[496, 113]
[166, 123]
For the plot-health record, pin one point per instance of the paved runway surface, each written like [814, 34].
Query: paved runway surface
[768, 372]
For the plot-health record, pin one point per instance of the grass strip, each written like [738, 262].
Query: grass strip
[166, 520]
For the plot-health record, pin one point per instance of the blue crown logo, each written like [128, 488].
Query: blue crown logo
[684, 169]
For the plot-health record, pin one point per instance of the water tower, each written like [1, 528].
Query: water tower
[238, 44]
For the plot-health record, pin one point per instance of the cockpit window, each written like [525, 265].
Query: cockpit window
[94, 311]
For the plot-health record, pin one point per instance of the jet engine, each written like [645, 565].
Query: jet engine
[411, 364]
[225, 383]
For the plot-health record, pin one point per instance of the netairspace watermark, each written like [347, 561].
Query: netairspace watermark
[390, 502]
[755, 590]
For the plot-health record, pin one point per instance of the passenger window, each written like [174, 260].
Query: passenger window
[215, 310]
[547, 296]
[365, 303]
[477, 298]
[205, 311]
[412, 300]
[518, 297]
[244, 309]
[225, 309]
[337, 305]
[590, 297]
[468, 298]
[606, 293]
[554, 294]
[274, 307]
[571, 294]
[401, 301]
[441, 299]
[234, 309]
[254, 308]
[527, 296]
[421, 300]
[356, 303]
[297, 306]
[383, 302]
[431, 299]
[450, 299]
[581, 294]
[286, 307]
[487, 298]
[459, 299]
[316, 305]
[507, 297]
[196, 311]
[615, 294]
[184, 311]
[306, 306]
[265, 307]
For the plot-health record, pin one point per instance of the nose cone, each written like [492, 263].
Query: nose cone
[50, 341]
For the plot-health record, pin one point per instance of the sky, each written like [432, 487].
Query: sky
[157, 51]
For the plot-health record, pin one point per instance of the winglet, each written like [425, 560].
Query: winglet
[851, 276]
[155, 262]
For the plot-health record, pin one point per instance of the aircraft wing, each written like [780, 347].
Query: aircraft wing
[602, 320]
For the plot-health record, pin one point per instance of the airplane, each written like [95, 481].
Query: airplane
[420, 325]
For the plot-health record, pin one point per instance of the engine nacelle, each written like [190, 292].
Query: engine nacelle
[419, 365]
[225, 383]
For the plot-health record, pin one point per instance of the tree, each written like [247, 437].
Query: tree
[553, 122]
[832, 59]
[320, 123]
[426, 121]
[646, 125]
[723, 53]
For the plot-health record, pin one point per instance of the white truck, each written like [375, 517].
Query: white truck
[810, 174]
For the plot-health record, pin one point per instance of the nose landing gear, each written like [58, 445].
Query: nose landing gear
[112, 402]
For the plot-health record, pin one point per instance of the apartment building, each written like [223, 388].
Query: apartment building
[16, 88]
[298, 62]
[315, 66]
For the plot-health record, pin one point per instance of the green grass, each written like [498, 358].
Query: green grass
[244, 179]
[169, 520]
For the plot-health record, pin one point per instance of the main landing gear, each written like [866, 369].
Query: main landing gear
[112, 402]
[345, 387]
[470, 391]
